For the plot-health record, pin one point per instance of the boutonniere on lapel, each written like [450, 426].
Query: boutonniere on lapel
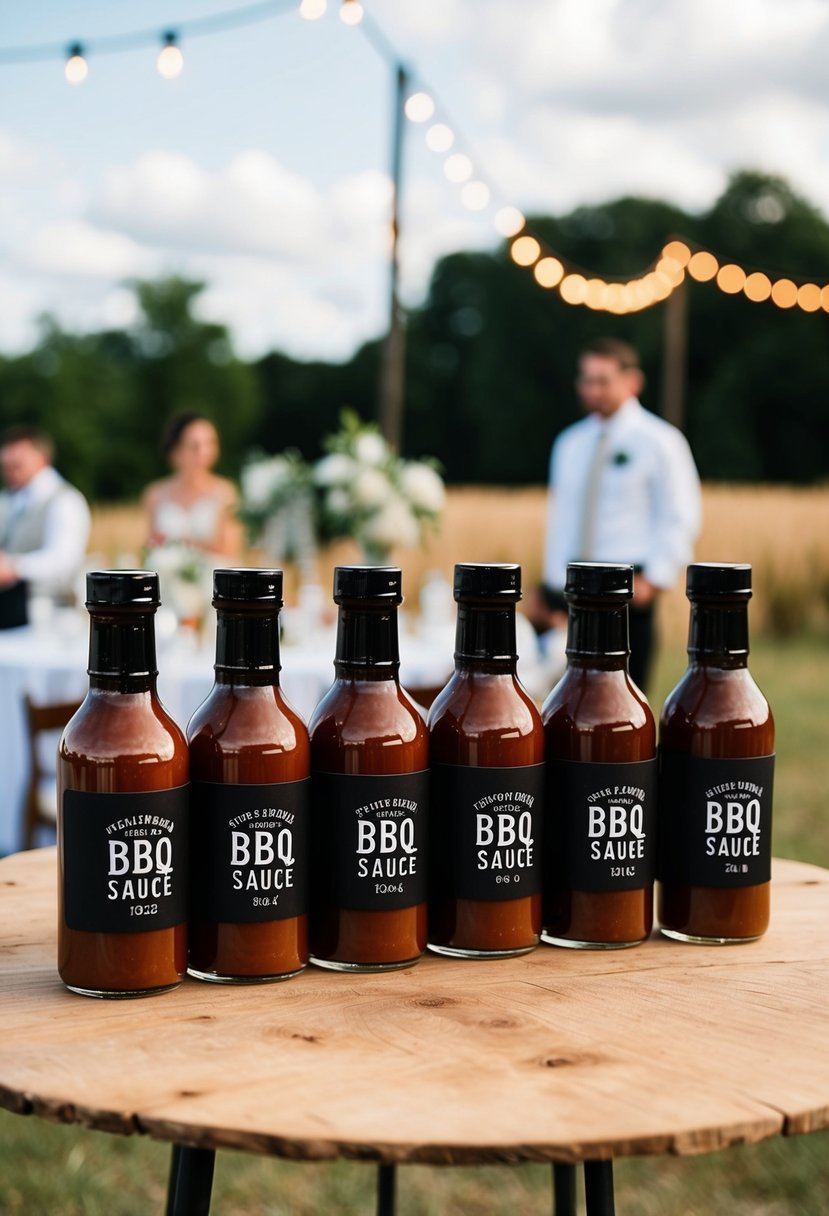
[621, 458]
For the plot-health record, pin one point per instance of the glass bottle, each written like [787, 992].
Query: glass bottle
[716, 759]
[122, 808]
[486, 743]
[601, 775]
[369, 763]
[249, 768]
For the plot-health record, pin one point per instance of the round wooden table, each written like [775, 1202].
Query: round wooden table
[560, 1056]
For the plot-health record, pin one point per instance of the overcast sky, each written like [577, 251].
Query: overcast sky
[263, 168]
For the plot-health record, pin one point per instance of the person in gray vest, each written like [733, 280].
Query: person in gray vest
[44, 526]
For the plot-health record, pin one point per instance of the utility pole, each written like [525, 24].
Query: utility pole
[675, 355]
[393, 355]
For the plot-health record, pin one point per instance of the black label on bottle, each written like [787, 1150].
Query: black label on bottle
[601, 828]
[486, 828]
[370, 840]
[714, 820]
[249, 851]
[125, 860]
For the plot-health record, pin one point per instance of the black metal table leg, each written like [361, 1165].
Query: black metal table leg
[564, 1189]
[598, 1188]
[191, 1181]
[386, 1182]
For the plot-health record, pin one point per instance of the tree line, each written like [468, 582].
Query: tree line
[490, 360]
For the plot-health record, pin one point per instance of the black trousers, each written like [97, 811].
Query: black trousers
[642, 641]
[14, 610]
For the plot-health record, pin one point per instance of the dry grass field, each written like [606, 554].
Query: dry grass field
[782, 531]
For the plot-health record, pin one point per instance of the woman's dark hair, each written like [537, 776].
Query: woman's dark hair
[176, 427]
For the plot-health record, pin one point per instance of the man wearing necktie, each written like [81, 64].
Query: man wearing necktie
[44, 526]
[623, 488]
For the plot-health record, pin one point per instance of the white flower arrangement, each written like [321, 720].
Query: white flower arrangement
[185, 576]
[359, 489]
[372, 495]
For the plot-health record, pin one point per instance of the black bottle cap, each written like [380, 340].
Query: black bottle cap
[383, 583]
[478, 581]
[247, 586]
[122, 589]
[599, 581]
[713, 579]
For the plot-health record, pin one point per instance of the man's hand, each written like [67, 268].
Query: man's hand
[644, 593]
[8, 573]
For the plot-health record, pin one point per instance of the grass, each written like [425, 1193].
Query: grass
[66, 1171]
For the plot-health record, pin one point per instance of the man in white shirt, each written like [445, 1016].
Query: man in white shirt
[623, 488]
[44, 526]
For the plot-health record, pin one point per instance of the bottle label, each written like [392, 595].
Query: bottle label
[714, 820]
[486, 831]
[248, 851]
[370, 839]
[125, 860]
[601, 826]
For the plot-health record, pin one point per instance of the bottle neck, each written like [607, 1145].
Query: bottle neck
[122, 652]
[597, 636]
[718, 633]
[485, 638]
[367, 642]
[247, 647]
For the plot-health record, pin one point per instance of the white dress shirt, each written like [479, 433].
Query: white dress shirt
[65, 533]
[648, 503]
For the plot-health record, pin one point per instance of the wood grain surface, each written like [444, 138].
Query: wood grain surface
[561, 1055]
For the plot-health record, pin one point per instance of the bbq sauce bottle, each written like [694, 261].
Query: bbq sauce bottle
[369, 761]
[716, 772]
[249, 765]
[600, 851]
[122, 808]
[486, 809]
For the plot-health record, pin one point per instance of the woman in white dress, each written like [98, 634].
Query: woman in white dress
[194, 506]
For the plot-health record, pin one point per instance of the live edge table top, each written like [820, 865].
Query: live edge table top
[557, 1056]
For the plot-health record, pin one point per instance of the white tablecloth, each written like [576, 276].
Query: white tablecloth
[50, 665]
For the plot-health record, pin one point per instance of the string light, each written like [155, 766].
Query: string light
[475, 195]
[702, 266]
[439, 137]
[457, 167]
[76, 69]
[731, 279]
[509, 221]
[170, 60]
[525, 250]
[824, 299]
[312, 10]
[757, 287]
[351, 12]
[808, 297]
[573, 288]
[784, 293]
[548, 272]
[679, 251]
[419, 107]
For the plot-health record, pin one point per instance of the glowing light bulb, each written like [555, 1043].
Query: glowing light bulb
[784, 293]
[457, 167]
[351, 12]
[524, 250]
[312, 10]
[475, 195]
[76, 69]
[419, 107]
[824, 298]
[439, 137]
[170, 60]
[596, 295]
[757, 287]
[679, 251]
[548, 272]
[573, 289]
[808, 297]
[703, 266]
[671, 269]
[509, 221]
[731, 279]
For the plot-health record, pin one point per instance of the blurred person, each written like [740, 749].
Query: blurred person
[623, 488]
[44, 526]
[194, 506]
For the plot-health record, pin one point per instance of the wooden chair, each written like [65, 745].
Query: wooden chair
[40, 806]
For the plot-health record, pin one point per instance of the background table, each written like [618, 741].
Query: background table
[559, 1056]
[50, 665]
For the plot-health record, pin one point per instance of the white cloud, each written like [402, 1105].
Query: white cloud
[74, 247]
